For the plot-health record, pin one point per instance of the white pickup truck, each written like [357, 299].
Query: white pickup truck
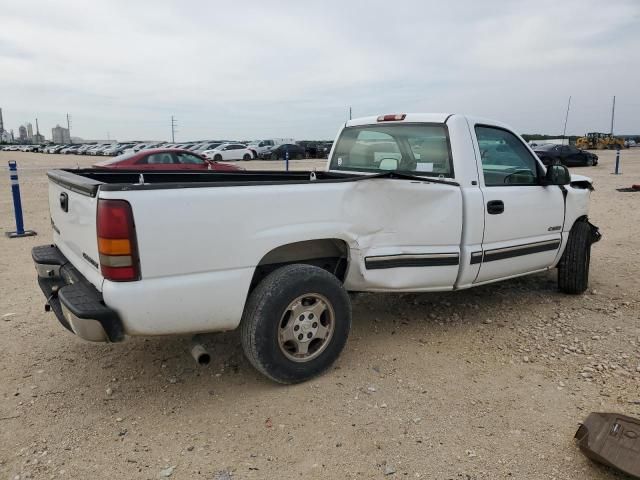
[408, 203]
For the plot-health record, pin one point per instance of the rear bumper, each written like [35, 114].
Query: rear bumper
[76, 303]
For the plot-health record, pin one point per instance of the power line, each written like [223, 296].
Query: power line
[566, 117]
[613, 113]
[174, 124]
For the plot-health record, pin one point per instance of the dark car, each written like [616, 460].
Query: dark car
[165, 159]
[296, 152]
[567, 155]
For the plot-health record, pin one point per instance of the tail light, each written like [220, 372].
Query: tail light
[396, 117]
[117, 244]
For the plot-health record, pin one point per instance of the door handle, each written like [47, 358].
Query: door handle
[495, 207]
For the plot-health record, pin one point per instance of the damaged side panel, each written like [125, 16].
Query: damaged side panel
[417, 244]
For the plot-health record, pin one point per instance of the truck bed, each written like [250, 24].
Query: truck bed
[88, 180]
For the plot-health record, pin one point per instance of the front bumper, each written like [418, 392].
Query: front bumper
[77, 304]
[595, 233]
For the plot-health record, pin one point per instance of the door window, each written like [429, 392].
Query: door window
[189, 159]
[505, 159]
[157, 159]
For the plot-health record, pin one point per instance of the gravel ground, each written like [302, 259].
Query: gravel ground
[486, 383]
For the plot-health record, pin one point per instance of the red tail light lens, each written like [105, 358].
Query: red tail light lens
[117, 243]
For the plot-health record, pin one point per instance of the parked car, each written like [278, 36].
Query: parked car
[97, 150]
[71, 149]
[58, 148]
[115, 150]
[229, 151]
[296, 152]
[83, 149]
[165, 159]
[204, 146]
[136, 147]
[178, 253]
[565, 154]
[261, 146]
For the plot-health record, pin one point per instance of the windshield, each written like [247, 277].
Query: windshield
[117, 159]
[421, 149]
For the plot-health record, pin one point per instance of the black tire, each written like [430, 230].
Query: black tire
[274, 156]
[263, 320]
[217, 158]
[246, 157]
[573, 269]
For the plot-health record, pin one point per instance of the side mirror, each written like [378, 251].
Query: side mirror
[388, 164]
[557, 175]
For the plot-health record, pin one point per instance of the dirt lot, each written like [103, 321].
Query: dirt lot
[482, 384]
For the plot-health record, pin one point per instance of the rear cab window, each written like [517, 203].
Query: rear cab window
[419, 149]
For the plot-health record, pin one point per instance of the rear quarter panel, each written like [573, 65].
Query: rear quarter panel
[199, 246]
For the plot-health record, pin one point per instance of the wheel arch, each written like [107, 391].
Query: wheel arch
[331, 254]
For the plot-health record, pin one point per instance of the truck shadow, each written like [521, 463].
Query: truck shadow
[163, 365]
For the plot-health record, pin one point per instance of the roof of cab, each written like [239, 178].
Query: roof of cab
[410, 117]
[427, 118]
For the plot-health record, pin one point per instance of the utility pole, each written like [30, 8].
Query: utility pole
[69, 125]
[174, 124]
[613, 113]
[349, 113]
[566, 117]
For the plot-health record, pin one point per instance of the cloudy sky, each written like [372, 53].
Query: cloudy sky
[251, 69]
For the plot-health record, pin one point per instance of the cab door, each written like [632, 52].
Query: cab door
[523, 218]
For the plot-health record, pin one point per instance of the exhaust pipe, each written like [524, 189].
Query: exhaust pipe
[198, 352]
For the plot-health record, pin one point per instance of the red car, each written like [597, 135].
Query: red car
[165, 159]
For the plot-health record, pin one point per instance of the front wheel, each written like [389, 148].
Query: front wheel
[573, 269]
[217, 158]
[296, 323]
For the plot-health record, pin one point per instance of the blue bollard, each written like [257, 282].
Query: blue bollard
[618, 169]
[17, 204]
[286, 160]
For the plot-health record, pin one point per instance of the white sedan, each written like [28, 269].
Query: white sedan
[229, 151]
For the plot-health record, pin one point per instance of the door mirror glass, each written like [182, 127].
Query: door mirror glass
[557, 175]
[388, 164]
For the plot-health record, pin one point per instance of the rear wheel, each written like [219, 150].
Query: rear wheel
[573, 269]
[246, 157]
[217, 158]
[296, 323]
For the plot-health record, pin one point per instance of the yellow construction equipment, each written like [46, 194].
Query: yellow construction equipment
[599, 141]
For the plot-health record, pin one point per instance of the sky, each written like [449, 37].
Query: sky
[259, 69]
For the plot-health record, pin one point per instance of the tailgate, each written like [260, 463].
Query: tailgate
[73, 203]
